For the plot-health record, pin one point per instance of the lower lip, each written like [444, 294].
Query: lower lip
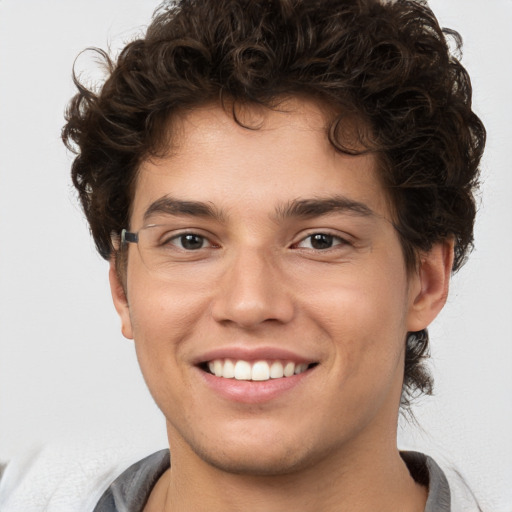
[252, 392]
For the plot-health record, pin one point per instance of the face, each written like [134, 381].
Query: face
[270, 323]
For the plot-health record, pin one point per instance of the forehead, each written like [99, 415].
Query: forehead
[260, 160]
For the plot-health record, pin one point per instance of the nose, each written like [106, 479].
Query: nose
[252, 292]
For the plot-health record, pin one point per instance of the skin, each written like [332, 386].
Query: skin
[329, 442]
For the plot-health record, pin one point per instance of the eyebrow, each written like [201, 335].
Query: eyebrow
[172, 206]
[296, 208]
[308, 208]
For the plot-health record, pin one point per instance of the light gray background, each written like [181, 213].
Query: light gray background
[65, 369]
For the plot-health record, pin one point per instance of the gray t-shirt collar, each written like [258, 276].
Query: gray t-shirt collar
[131, 490]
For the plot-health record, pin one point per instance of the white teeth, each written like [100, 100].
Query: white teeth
[243, 370]
[257, 371]
[260, 371]
[229, 369]
[289, 369]
[217, 368]
[300, 368]
[276, 370]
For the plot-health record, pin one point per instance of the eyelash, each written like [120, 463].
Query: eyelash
[334, 239]
[181, 236]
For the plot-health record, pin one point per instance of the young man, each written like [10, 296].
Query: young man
[282, 189]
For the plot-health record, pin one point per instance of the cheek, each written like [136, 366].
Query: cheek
[162, 312]
[367, 343]
[161, 325]
[163, 317]
[364, 317]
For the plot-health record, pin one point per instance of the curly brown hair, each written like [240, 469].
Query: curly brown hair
[385, 63]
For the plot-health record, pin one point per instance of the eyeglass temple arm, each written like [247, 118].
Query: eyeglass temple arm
[127, 236]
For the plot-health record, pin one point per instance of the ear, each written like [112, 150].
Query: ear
[429, 285]
[120, 300]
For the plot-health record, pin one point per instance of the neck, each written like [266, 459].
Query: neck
[367, 479]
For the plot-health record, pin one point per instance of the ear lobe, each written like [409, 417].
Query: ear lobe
[120, 300]
[429, 286]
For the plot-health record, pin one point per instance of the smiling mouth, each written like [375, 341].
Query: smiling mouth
[254, 371]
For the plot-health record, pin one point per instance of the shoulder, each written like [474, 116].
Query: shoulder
[130, 491]
[428, 473]
[448, 490]
[61, 477]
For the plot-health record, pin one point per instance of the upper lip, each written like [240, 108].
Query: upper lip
[253, 354]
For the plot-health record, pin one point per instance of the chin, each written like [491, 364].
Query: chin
[254, 462]
[257, 453]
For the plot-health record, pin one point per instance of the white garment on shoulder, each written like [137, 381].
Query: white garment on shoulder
[62, 477]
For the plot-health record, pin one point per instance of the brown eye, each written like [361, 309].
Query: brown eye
[321, 241]
[190, 241]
